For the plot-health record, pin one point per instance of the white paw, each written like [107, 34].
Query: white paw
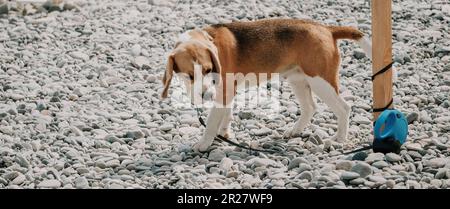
[225, 133]
[338, 138]
[202, 146]
[291, 132]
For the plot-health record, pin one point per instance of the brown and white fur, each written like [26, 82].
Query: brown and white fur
[305, 52]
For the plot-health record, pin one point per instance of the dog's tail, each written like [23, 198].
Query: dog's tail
[347, 32]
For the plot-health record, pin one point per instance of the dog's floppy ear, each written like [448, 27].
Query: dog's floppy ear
[217, 69]
[167, 78]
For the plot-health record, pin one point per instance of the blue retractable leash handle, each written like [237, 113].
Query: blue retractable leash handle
[390, 131]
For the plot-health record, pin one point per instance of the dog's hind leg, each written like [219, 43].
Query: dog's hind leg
[329, 95]
[302, 91]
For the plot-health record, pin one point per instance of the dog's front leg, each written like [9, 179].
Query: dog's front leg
[213, 123]
[224, 129]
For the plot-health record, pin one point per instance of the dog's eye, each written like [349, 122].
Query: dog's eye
[208, 71]
[191, 77]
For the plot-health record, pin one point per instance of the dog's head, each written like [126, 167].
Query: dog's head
[195, 58]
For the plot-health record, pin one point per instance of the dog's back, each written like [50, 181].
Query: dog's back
[275, 45]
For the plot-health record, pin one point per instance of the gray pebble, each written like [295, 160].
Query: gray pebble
[357, 181]
[392, 157]
[52, 184]
[348, 175]
[390, 184]
[22, 161]
[79, 55]
[166, 127]
[81, 183]
[441, 173]
[225, 164]
[360, 156]
[216, 155]
[362, 168]
[18, 180]
[344, 165]
[306, 175]
[135, 134]
[380, 164]
[411, 117]
[244, 115]
[374, 157]
[304, 167]
[295, 162]
[359, 53]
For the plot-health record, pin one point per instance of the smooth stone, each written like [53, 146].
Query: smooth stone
[79, 55]
[392, 157]
[348, 175]
[359, 54]
[232, 174]
[135, 50]
[82, 170]
[245, 115]
[18, 180]
[344, 165]
[135, 134]
[81, 183]
[112, 164]
[296, 162]
[257, 162]
[374, 157]
[306, 175]
[141, 62]
[362, 168]
[49, 184]
[189, 131]
[3, 181]
[380, 164]
[362, 120]
[390, 184]
[414, 146]
[360, 156]
[216, 155]
[304, 167]
[357, 181]
[377, 179]
[166, 127]
[4, 8]
[115, 186]
[226, 164]
[176, 158]
[436, 163]
[262, 132]
[411, 117]
[411, 184]
[22, 161]
[441, 173]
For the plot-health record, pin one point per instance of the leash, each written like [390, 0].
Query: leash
[270, 151]
[222, 138]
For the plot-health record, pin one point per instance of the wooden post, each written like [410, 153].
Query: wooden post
[381, 53]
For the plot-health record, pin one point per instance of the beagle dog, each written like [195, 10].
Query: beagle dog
[302, 51]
